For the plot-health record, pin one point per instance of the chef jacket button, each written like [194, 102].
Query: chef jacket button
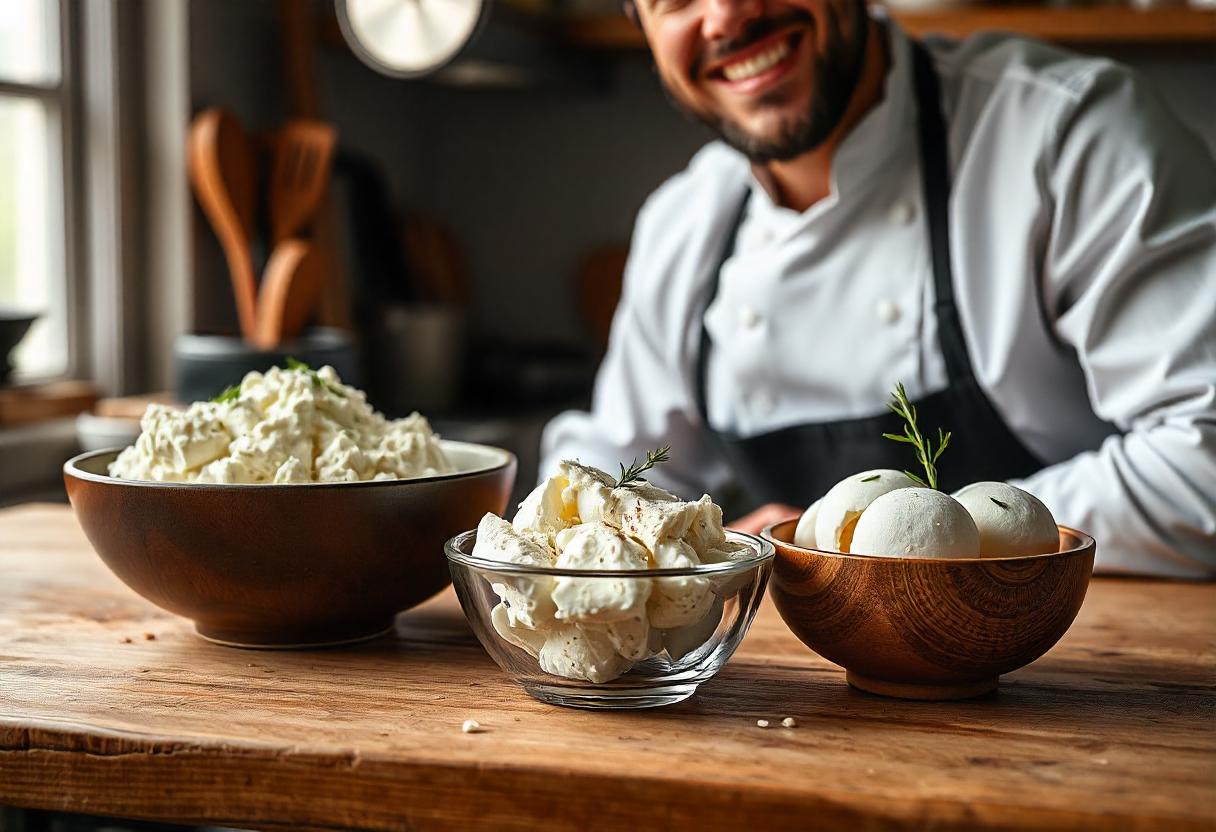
[902, 212]
[761, 237]
[887, 311]
[749, 318]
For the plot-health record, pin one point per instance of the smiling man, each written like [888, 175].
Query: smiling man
[1022, 237]
[771, 89]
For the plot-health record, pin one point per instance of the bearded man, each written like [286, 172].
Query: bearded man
[1023, 237]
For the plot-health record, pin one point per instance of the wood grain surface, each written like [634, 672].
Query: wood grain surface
[110, 706]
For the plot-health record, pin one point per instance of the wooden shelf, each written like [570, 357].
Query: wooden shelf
[1101, 25]
[43, 402]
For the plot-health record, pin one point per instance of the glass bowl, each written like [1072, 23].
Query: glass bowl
[624, 663]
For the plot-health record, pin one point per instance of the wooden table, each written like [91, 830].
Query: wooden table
[110, 706]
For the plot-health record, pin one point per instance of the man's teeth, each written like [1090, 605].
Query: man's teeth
[753, 66]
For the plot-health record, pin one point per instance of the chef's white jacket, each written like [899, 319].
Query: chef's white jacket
[1083, 241]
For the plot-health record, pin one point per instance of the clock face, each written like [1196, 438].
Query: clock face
[408, 38]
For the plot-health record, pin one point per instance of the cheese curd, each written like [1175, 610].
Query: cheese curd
[595, 628]
[282, 426]
[528, 599]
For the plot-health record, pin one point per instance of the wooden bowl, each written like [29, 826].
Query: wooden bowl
[13, 326]
[928, 628]
[292, 565]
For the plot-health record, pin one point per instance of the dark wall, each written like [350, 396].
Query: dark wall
[529, 180]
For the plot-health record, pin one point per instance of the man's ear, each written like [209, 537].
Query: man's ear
[631, 12]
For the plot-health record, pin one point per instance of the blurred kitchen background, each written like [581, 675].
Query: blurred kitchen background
[464, 232]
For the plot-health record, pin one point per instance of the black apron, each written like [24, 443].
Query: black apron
[797, 464]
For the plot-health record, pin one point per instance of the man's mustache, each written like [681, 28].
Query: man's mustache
[756, 31]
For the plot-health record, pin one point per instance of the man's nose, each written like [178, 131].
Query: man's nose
[725, 19]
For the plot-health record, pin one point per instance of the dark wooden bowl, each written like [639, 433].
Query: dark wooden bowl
[928, 628]
[286, 565]
[13, 326]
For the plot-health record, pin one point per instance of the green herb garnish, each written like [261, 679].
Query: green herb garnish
[870, 479]
[231, 393]
[300, 366]
[926, 453]
[999, 503]
[633, 474]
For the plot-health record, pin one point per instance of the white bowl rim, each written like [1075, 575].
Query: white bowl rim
[763, 551]
[504, 459]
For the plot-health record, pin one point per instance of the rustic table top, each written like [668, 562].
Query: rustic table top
[111, 706]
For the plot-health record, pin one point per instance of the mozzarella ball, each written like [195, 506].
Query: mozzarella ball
[804, 534]
[916, 523]
[1010, 521]
[841, 507]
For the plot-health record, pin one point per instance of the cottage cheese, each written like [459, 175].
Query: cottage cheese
[283, 426]
[596, 628]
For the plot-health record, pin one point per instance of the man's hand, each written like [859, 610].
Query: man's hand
[764, 516]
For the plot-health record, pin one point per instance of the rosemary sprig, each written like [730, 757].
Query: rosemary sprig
[999, 503]
[231, 393]
[926, 453]
[296, 364]
[633, 474]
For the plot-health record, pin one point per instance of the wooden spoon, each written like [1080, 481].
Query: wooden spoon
[291, 287]
[299, 175]
[221, 164]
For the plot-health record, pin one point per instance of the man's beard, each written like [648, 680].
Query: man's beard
[837, 72]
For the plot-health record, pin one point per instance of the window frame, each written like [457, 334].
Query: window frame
[134, 86]
[122, 107]
[124, 93]
[60, 104]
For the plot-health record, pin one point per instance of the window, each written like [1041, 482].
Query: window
[33, 188]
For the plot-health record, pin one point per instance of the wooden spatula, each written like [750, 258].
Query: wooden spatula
[221, 164]
[291, 286]
[299, 175]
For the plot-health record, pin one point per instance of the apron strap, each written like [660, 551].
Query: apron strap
[701, 368]
[935, 184]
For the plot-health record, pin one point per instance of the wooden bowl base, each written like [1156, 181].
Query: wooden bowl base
[252, 642]
[900, 690]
